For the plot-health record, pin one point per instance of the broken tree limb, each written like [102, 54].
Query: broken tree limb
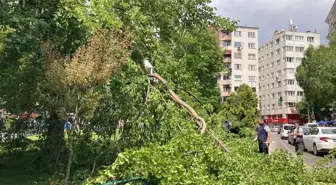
[200, 121]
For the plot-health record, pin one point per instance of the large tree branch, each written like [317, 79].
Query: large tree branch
[200, 121]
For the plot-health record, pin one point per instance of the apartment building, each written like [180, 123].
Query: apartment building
[278, 60]
[331, 19]
[241, 54]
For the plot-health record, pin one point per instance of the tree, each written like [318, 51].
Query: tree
[75, 83]
[317, 75]
[241, 108]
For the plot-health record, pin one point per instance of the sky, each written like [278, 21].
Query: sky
[271, 15]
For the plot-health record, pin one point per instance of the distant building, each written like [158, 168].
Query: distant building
[241, 54]
[331, 19]
[278, 60]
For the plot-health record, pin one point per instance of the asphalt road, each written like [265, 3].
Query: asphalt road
[280, 144]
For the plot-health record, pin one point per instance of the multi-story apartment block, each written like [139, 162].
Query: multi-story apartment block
[331, 19]
[241, 54]
[278, 60]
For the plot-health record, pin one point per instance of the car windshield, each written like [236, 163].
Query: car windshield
[329, 131]
[287, 127]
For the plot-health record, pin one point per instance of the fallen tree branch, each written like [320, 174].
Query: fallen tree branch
[200, 121]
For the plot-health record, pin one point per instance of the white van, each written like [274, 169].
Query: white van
[285, 128]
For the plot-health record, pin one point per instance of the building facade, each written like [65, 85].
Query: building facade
[331, 19]
[278, 60]
[241, 54]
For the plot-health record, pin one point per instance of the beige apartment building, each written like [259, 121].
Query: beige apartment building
[241, 54]
[278, 60]
[331, 19]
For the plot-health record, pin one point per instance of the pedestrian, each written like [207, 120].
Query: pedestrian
[297, 138]
[227, 126]
[263, 136]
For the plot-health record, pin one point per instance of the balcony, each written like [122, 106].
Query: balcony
[227, 59]
[225, 82]
[225, 93]
[226, 37]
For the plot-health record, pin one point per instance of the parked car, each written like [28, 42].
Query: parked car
[320, 139]
[311, 125]
[275, 129]
[285, 129]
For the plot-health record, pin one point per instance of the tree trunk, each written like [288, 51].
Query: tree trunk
[67, 175]
[54, 143]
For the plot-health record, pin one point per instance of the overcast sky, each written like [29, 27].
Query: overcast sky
[271, 15]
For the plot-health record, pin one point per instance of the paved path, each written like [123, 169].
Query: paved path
[280, 144]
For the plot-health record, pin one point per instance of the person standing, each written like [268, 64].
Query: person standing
[263, 136]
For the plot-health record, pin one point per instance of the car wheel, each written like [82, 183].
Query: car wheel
[315, 151]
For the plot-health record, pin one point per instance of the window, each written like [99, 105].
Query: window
[237, 44]
[226, 88]
[251, 56]
[277, 52]
[289, 93]
[273, 106]
[271, 54]
[267, 76]
[272, 85]
[273, 95]
[258, 50]
[251, 34]
[252, 78]
[278, 62]
[272, 64]
[288, 48]
[251, 45]
[290, 104]
[272, 75]
[279, 94]
[237, 55]
[238, 67]
[266, 56]
[298, 60]
[267, 66]
[262, 58]
[237, 33]
[266, 46]
[254, 89]
[299, 49]
[289, 37]
[268, 86]
[262, 68]
[225, 77]
[252, 67]
[224, 33]
[226, 43]
[279, 84]
[271, 44]
[310, 39]
[289, 59]
[299, 38]
[277, 41]
[290, 82]
[236, 88]
[237, 77]
[299, 93]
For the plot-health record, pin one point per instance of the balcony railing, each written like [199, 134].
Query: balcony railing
[227, 59]
[226, 37]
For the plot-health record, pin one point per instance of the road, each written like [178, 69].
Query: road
[280, 144]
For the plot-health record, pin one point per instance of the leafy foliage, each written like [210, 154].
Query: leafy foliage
[317, 75]
[241, 109]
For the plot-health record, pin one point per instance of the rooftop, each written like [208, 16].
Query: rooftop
[250, 27]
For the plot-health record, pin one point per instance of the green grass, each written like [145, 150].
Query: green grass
[18, 170]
